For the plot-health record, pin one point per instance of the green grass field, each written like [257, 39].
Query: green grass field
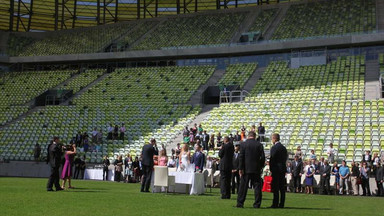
[27, 196]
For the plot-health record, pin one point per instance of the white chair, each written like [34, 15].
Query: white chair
[162, 179]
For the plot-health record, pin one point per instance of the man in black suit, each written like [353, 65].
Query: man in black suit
[147, 154]
[277, 162]
[54, 159]
[235, 169]
[205, 140]
[325, 176]
[251, 162]
[261, 132]
[226, 157]
[198, 158]
[379, 178]
[297, 171]
[237, 137]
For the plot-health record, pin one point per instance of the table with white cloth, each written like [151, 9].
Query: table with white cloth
[97, 174]
[196, 180]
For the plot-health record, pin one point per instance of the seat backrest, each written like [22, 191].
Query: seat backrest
[161, 176]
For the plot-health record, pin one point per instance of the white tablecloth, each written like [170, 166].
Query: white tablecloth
[196, 180]
[97, 174]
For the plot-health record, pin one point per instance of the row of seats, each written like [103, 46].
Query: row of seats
[310, 106]
[261, 21]
[83, 79]
[193, 31]
[238, 74]
[320, 18]
[18, 88]
[150, 101]
[87, 40]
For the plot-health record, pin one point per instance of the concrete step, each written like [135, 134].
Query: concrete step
[372, 82]
[275, 23]
[253, 79]
[204, 113]
[197, 97]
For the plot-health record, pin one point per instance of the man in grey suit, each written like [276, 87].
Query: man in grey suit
[297, 171]
[325, 175]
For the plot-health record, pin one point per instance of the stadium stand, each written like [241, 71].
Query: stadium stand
[193, 31]
[310, 106]
[238, 74]
[325, 18]
[83, 79]
[87, 40]
[159, 111]
[262, 20]
[18, 88]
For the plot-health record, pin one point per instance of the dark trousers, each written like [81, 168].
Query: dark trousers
[296, 183]
[243, 188]
[379, 188]
[121, 136]
[147, 175]
[53, 178]
[325, 185]
[117, 176]
[205, 145]
[235, 182]
[278, 186]
[365, 186]
[105, 173]
[76, 174]
[225, 183]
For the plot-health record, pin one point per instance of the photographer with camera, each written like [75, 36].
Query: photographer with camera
[70, 152]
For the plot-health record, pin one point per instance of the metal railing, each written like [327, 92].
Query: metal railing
[233, 96]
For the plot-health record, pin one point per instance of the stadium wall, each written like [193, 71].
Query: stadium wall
[225, 50]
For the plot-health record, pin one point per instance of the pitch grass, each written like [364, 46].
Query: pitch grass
[27, 196]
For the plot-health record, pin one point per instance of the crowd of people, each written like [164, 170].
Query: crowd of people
[307, 175]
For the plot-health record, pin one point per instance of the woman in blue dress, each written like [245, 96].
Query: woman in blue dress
[335, 172]
[309, 172]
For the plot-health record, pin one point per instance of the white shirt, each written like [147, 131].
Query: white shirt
[331, 151]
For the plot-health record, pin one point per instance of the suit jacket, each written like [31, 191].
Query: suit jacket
[148, 152]
[235, 161]
[379, 174]
[54, 155]
[251, 157]
[278, 158]
[261, 130]
[237, 138]
[205, 138]
[226, 157]
[198, 160]
[325, 170]
[297, 169]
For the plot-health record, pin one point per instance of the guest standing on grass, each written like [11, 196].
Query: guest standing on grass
[66, 173]
[54, 159]
[235, 169]
[278, 159]
[118, 168]
[379, 177]
[226, 159]
[37, 152]
[147, 154]
[77, 163]
[325, 175]
[297, 171]
[251, 162]
[106, 164]
[364, 174]
[344, 175]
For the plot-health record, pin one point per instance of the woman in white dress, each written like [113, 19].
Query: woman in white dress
[184, 158]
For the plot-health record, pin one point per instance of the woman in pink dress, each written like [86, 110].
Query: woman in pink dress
[163, 159]
[67, 168]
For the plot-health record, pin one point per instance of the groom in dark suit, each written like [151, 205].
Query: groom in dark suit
[54, 159]
[147, 154]
[277, 162]
[251, 162]
[226, 159]
[198, 159]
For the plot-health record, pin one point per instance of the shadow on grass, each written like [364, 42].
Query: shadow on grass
[302, 208]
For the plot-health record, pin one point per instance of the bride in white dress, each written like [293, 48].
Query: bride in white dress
[184, 159]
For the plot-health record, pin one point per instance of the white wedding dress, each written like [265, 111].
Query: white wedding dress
[184, 166]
